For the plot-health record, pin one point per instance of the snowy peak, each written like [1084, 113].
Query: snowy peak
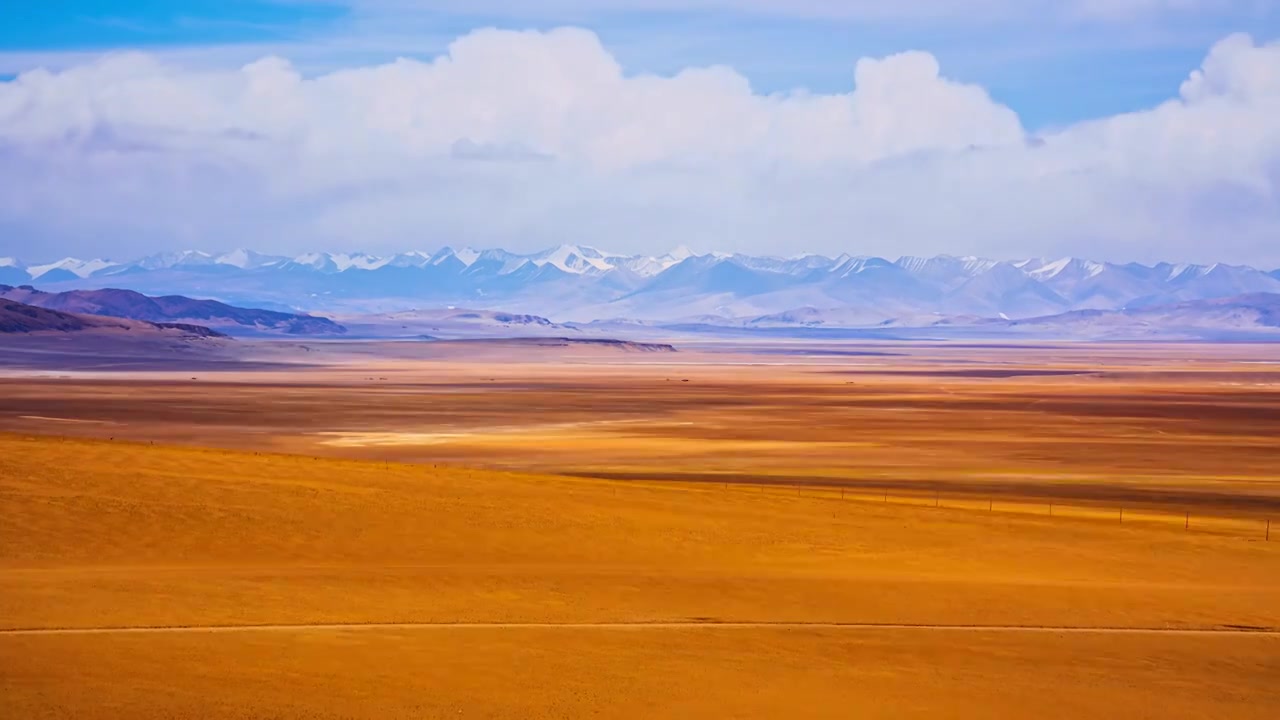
[184, 258]
[496, 262]
[187, 258]
[681, 252]
[466, 256]
[241, 258]
[944, 265]
[411, 259]
[74, 266]
[247, 259]
[912, 263]
[799, 265]
[646, 266]
[359, 261]
[1185, 271]
[859, 265]
[38, 270]
[320, 261]
[1072, 267]
[590, 253]
[575, 259]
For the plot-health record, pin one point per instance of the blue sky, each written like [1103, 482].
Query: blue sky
[1052, 69]
[78, 24]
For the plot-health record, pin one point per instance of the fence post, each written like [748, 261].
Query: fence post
[1050, 509]
[841, 493]
[935, 498]
[1268, 530]
[1187, 525]
[1121, 514]
[990, 504]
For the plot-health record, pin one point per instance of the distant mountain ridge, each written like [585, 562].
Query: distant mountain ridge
[581, 283]
[171, 311]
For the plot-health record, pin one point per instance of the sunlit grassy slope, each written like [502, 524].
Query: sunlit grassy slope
[107, 534]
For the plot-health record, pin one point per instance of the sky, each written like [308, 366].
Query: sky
[1111, 129]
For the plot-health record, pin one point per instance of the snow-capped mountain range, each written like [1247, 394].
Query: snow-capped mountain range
[579, 283]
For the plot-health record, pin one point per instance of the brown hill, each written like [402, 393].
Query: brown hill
[173, 309]
[16, 317]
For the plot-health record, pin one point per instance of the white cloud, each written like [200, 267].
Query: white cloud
[977, 10]
[526, 138]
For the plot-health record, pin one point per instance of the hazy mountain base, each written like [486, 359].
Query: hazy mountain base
[1254, 317]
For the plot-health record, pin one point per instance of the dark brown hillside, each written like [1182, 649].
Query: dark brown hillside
[172, 309]
[16, 317]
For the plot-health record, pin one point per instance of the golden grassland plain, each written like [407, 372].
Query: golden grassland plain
[426, 545]
[111, 534]
[1089, 423]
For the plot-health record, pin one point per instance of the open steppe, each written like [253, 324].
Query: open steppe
[1180, 427]
[591, 535]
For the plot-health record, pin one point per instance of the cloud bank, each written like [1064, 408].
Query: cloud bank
[913, 10]
[525, 139]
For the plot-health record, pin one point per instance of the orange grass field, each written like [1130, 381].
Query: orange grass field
[601, 538]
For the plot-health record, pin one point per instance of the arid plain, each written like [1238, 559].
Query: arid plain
[783, 530]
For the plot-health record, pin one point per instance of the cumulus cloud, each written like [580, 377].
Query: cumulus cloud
[950, 10]
[126, 153]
